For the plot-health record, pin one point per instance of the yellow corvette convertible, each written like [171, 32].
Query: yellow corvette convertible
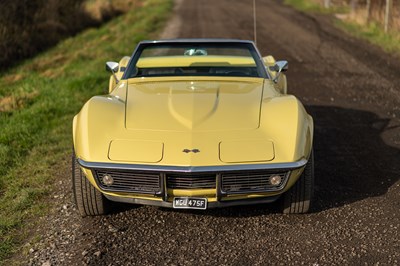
[193, 124]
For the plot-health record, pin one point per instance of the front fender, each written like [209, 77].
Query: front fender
[287, 123]
[94, 126]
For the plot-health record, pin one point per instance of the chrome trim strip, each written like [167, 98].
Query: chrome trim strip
[195, 40]
[210, 205]
[193, 169]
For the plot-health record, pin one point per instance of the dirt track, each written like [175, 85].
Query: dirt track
[352, 89]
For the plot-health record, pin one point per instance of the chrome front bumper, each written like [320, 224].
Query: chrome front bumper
[210, 205]
[162, 192]
[194, 169]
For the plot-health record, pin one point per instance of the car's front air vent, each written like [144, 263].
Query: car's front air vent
[191, 181]
[236, 183]
[128, 181]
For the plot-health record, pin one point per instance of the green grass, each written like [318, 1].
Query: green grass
[310, 6]
[373, 32]
[38, 100]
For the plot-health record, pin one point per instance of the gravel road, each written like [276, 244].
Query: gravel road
[351, 88]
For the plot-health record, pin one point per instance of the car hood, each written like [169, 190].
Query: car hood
[204, 105]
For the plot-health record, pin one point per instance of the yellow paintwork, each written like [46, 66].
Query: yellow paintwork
[187, 61]
[250, 151]
[226, 118]
[208, 104]
[139, 151]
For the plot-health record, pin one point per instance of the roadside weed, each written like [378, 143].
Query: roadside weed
[38, 100]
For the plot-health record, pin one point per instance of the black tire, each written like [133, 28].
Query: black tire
[298, 198]
[88, 199]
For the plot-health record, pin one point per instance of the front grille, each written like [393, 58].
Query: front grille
[191, 181]
[129, 181]
[151, 182]
[236, 183]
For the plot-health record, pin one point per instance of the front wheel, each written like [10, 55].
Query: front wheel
[298, 198]
[88, 199]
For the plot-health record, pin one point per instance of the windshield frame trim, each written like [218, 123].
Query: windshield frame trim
[142, 45]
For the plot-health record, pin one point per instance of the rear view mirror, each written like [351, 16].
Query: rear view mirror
[195, 51]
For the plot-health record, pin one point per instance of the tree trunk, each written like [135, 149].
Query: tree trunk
[388, 14]
[353, 6]
[368, 18]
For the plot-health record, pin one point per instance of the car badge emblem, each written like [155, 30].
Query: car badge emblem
[194, 150]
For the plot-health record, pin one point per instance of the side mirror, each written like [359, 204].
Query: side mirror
[113, 68]
[280, 66]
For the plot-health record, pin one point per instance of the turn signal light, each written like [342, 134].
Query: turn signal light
[275, 180]
[108, 180]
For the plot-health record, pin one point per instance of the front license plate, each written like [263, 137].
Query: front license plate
[190, 203]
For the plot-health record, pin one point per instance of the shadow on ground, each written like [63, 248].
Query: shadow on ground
[352, 161]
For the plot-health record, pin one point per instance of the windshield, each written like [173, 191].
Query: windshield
[195, 59]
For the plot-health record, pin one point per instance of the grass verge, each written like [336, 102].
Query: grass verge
[38, 100]
[310, 6]
[372, 32]
[390, 42]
